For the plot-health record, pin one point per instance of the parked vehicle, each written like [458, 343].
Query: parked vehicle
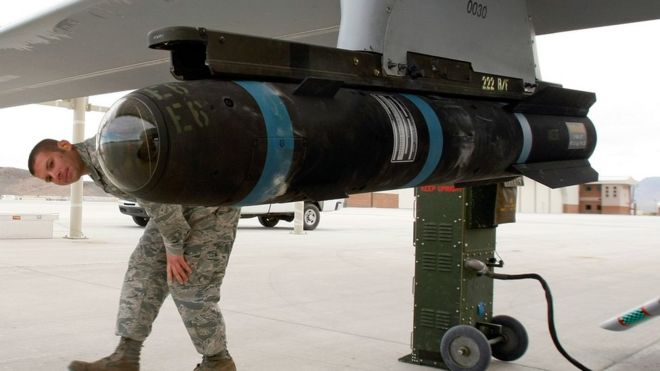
[134, 210]
[269, 215]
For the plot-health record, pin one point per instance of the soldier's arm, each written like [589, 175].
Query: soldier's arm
[174, 229]
[171, 224]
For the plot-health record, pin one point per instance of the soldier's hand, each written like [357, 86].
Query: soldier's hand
[177, 268]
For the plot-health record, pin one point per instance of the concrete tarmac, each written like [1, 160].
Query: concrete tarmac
[337, 298]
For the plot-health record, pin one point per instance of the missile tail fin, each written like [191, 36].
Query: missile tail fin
[558, 174]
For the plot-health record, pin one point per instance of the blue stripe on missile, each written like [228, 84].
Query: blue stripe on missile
[436, 140]
[527, 138]
[279, 153]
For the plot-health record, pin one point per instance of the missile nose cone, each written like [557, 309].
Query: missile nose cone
[129, 143]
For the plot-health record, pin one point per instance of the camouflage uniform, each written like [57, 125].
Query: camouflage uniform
[204, 235]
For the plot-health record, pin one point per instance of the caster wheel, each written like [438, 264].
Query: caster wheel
[515, 340]
[465, 348]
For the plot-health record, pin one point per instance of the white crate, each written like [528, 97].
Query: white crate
[27, 225]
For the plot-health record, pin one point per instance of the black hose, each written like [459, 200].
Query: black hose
[551, 316]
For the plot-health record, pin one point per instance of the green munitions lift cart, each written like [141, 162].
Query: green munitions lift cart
[453, 325]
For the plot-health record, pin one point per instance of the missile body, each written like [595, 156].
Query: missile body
[633, 317]
[219, 142]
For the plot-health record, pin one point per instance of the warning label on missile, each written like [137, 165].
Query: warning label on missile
[403, 128]
[577, 135]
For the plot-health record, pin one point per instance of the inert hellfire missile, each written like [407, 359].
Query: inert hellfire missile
[633, 317]
[216, 141]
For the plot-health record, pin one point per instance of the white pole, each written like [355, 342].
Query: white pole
[298, 214]
[75, 221]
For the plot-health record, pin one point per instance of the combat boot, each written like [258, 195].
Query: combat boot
[218, 362]
[125, 358]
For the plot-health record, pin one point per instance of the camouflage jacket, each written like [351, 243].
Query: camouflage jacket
[171, 220]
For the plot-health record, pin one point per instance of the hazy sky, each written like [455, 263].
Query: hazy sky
[618, 63]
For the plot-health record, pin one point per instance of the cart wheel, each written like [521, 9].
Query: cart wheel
[465, 348]
[515, 340]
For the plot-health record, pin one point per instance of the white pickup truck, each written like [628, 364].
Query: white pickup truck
[269, 215]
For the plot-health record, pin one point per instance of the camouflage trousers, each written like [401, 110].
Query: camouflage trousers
[145, 287]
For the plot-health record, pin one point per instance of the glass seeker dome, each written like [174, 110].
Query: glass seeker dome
[128, 144]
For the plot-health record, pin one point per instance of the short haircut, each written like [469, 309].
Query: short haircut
[49, 145]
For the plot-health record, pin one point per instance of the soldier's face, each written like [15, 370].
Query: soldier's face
[59, 167]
